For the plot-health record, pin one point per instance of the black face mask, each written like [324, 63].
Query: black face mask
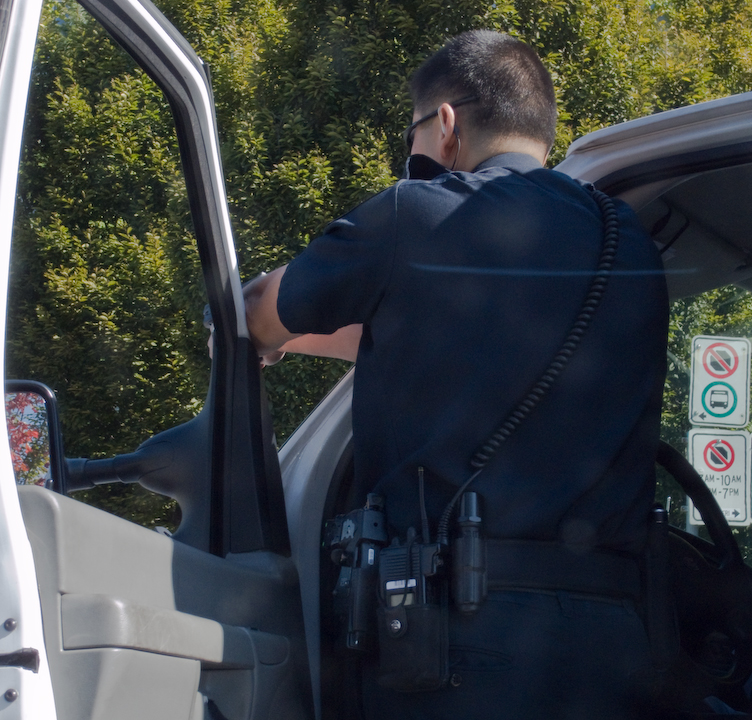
[422, 167]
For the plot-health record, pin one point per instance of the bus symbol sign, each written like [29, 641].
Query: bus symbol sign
[719, 389]
[719, 399]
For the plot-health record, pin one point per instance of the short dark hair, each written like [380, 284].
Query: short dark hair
[514, 90]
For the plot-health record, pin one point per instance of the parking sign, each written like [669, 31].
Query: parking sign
[721, 458]
[719, 391]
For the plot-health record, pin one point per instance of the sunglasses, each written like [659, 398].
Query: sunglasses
[409, 134]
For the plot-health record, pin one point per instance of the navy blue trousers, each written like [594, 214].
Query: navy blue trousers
[530, 655]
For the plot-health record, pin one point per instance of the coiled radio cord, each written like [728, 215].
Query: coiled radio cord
[546, 381]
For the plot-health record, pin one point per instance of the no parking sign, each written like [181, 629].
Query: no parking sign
[721, 458]
[719, 392]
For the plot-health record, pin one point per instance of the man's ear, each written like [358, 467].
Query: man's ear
[448, 142]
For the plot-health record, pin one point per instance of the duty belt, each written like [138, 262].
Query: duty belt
[536, 565]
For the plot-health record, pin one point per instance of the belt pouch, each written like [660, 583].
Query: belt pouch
[413, 645]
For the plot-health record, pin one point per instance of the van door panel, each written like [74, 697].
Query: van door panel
[136, 624]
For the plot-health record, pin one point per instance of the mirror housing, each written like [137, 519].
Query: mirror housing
[175, 462]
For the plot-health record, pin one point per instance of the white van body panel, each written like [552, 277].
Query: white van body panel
[24, 694]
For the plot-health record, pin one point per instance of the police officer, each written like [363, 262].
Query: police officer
[454, 289]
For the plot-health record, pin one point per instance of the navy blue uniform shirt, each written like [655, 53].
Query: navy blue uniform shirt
[467, 285]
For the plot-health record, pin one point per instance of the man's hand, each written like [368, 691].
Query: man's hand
[272, 358]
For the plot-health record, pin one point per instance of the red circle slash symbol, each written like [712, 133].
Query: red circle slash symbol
[720, 360]
[719, 455]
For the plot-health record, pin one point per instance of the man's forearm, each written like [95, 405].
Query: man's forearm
[342, 344]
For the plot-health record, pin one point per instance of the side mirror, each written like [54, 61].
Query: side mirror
[34, 436]
[175, 462]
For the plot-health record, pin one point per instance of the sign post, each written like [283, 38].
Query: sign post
[719, 391]
[721, 457]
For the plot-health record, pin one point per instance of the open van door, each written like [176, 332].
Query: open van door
[137, 624]
[25, 686]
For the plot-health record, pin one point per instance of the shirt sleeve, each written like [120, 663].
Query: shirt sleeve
[340, 278]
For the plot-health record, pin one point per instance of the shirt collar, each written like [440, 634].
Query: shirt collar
[518, 162]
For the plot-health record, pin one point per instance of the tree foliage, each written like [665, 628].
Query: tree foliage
[28, 433]
[311, 98]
